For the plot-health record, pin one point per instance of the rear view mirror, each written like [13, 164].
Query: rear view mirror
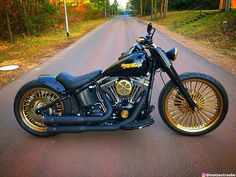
[149, 28]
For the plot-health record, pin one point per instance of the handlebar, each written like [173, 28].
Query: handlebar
[147, 39]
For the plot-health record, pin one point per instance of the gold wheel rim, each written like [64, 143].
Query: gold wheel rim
[208, 100]
[34, 99]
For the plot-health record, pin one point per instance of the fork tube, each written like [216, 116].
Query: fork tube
[167, 66]
[152, 77]
[175, 78]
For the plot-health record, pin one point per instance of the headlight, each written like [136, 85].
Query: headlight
[172, 54]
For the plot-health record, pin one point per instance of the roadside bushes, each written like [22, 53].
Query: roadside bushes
[25, 17]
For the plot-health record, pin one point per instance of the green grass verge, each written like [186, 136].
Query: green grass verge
[213, 28]
[27, 50]
[30, 51]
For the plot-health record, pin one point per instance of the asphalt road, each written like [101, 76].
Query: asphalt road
[154, 151]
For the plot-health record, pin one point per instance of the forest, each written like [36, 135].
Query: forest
[19, 18]
[152, 7]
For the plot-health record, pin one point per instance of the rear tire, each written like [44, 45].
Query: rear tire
[31, 96]
[210, 97]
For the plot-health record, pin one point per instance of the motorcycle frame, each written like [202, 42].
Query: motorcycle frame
[158, 59]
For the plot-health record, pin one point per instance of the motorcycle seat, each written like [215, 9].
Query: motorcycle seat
[71, 82]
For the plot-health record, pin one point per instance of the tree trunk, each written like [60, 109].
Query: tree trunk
[8, 20]
[216, 4]
[151, 9]
[165, 8]
[26, 17]
[141, 8]
[161, 9]
[224, 5]
[167, 1]
[228, 5]
[155, 9]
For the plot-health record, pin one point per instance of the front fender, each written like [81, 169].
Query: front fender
[50, 81]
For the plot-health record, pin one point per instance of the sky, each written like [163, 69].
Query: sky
[122, 3]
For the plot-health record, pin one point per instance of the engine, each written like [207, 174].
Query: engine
[124, 92]
[124, 89]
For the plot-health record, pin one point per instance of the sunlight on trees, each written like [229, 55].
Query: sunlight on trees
[19, 18]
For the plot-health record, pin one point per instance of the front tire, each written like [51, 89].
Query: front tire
[209, 96]
[30, 97]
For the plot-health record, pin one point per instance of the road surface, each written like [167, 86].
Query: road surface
[154, 151]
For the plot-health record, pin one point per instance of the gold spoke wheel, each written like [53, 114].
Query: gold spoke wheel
[208, 100]
[34, 99]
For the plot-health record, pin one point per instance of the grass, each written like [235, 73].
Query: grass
[28, 52]
[216, 30]
[25, 48]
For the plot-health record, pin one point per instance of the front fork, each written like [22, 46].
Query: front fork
[166, 65]
[175, 78]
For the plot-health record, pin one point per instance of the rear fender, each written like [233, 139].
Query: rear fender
[51, 82]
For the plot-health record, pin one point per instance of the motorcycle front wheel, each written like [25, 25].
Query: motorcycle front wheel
[208, 94]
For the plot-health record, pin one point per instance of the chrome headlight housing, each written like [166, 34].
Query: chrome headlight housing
[172, 54]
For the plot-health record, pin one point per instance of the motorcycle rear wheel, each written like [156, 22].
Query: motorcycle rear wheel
[209, 96]
[30, 97]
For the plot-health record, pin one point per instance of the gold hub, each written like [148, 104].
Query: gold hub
[183, 105]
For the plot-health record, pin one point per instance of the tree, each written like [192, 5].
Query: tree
[226, 5]
[141, 7]
[5, 7]
[164, 8]
[152, 9]
[155, 9]
[32, 17]
[115, 8]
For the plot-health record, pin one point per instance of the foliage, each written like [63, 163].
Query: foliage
[196, 4]
[91, 9]
[30, 51]
[217, 29]
[163, 5]
[19, 18]
[26, 16]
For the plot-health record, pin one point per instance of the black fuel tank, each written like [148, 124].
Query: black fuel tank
[134, 64]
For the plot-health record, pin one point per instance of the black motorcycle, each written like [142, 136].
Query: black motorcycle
[119, 97]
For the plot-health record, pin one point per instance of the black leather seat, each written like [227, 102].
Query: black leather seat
[71, 82]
